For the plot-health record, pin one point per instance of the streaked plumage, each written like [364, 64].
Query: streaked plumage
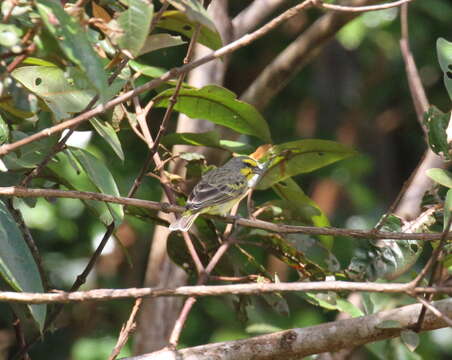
[219, 190]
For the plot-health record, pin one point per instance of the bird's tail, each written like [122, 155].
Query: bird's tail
[184, 222]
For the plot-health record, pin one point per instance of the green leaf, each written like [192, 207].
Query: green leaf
[436, 122]
[262, 328]
[303, 156]
[194, 11]
[410, 339]
[177, 21]
[160, 41]
[219, 106]
[36, 61]
[66, 170]
[388, 258]
[17, 266]
[101, 177]
[444, 50]
[441, 176]
[74, 42]
[133, 26]
[4, 131]
[147, 70]
[447, 208]
[331, 301]
[107, 132]
[302, 208]
[64, 92]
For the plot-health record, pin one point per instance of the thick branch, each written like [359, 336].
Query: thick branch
[258, 224]
[297, 343]
[215, 290]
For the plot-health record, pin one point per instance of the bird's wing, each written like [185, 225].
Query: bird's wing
[206, 194]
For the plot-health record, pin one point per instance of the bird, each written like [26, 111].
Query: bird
[219, 190]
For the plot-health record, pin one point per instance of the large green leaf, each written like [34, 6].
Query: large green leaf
[101, 177]
[208, 138]
[17, 266]
[194, 11]
[74, 42]
[179, 22]
[65, 169]
[160, 41]
[444, 50]
[436, 122]
[441, 176]
[64, 92]
[303, 156]
[132, 26]
[301, 208]
[219, 106]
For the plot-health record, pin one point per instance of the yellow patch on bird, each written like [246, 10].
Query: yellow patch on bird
[250, 161]
[245, 171]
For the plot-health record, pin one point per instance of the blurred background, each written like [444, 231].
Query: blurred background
[354, 92]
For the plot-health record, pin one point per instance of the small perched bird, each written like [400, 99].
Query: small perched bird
[219, 190]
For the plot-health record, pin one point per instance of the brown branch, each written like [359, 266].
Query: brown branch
[127, 328]
[300, 342]
[321, 4]
[258, 224]
[217, 290]
[230, 48]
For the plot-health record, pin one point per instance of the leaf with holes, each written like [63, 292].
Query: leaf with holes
[444, 50]
[74, 42]
[219, 106]
[131, 28]
[388, 258]
[64, 92]
[299, 157]
[179, 22]
[17, 266]
[436, 122]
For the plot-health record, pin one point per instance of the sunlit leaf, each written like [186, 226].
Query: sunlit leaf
[106, 131]
[74, 42]
[436, 122]
[303, 156]
[177, 21]
[36, 61]
[132, 26]
[219, 106]
[447, 208]
[160, 41]
[444, 50]
[441, 176]
[17, 266]
[64, 92]
[194, 11]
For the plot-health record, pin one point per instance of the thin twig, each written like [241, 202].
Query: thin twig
[433, 264]
[218, 290]
[334, 7]
[434, 310]
[257, 224]
[127, 328]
